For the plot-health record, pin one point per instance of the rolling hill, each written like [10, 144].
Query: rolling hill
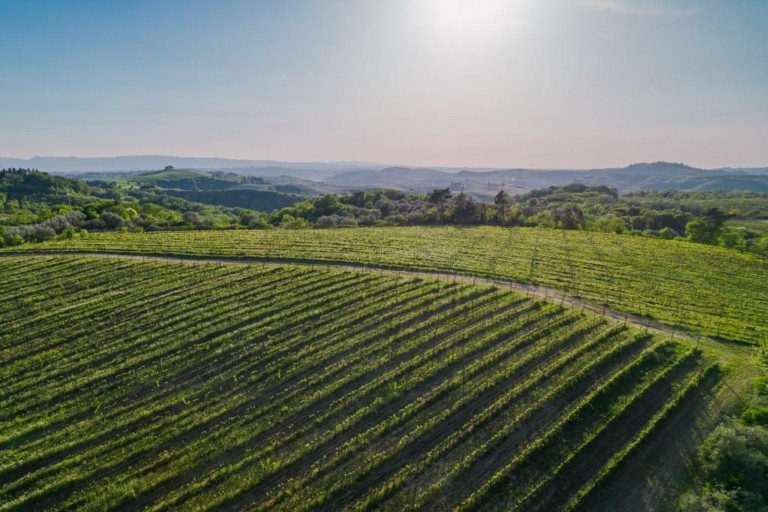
[231, 386]
[482, 183]
[703, 289]
[360, 369]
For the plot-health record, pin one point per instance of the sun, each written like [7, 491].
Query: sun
[471, 17]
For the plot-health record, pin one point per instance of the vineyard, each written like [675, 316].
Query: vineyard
[702, 289]
[133, 384]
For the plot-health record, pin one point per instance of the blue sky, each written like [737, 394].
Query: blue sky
[505, 83]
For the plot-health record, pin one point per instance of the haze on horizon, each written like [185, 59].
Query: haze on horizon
[496, 83]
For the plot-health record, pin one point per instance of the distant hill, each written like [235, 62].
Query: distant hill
[484, 185]
[218, 188]
[26, 183]
[329, 177]
[260, 200]
[186, 179]
[402, 178]
[148, 162]
[665, 175]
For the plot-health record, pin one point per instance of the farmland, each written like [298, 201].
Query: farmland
[698, 288]
[133, 384]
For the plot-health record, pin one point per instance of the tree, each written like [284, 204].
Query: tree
[699, 231]
[112, 220]
[716, 217]
[502, 203]
[130, 214]
[667, 233]
[761, 246]
[14, 239]
[248, 219]
[328, 221]
[708, 228]
[465, 210]
[732, 239]
[440, 197]
[732, 462]
[328, 204]
[43, 233]
[192, 218]
[569, 217]
[291, 222]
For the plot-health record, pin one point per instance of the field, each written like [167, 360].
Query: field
[702, 289]
[133, 384]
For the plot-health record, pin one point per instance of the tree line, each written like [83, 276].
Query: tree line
[36, 206]
[576, 207]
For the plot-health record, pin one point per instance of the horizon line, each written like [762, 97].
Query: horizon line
[374, 163]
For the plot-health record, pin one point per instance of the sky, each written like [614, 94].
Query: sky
[480, 83]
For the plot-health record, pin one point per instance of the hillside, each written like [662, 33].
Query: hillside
[148, 162]
[214, 188]
[36, 206]
[185, 179]
[191, 386]
[484, 184]
[30, 183]
[481, 183]
[703, 289]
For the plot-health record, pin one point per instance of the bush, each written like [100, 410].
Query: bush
[737, 455]
[732, 462]
[366, 220]
[755, 415]
[43, 233]
[328, 221]
[112, 220]
[291, 222]
[347, 222]
[13, 239]
[668, 233]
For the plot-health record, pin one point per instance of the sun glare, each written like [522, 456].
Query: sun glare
[471, 18]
